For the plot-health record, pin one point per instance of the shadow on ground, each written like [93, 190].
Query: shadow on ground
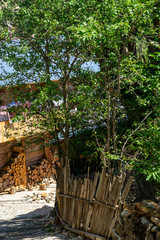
[27, 226]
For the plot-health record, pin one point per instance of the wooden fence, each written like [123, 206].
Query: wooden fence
[91, 207]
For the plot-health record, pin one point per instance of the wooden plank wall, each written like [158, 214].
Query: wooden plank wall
[6, 98]
[33, 155]
[5, 153]
[17, 130]
[11, 131]
[33, 150]
[91, 205]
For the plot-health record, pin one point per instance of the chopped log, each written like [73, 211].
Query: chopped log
[12, 190]
[4, 176]
[17, 173]
[42, 186]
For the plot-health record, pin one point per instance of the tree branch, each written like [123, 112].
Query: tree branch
[124, 145]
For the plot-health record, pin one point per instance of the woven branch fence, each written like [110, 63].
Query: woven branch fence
[90, 207]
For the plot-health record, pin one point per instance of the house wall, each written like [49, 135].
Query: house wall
[5, 153]
[6, 98]
[34, 150]
[33, 155]
[9, 132]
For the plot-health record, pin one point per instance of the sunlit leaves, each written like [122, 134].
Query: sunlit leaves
[42, 40]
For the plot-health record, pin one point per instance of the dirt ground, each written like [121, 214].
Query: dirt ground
[25, 219]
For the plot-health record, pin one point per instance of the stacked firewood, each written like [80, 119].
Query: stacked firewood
[36, 173]
[14, 174]
[6, 181]
[19, 170]
[17, 174]
[54, 159]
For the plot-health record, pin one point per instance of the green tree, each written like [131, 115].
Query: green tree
[45, 39]
[126, 91]
[39, 44]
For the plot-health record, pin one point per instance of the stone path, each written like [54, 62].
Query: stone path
[24, 219]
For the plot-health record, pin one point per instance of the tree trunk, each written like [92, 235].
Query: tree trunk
[66, 131]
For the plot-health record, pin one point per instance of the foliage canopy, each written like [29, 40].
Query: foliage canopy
[119, 104]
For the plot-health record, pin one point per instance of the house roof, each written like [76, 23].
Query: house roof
[27, 86]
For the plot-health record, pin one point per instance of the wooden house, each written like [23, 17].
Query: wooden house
[17, 157]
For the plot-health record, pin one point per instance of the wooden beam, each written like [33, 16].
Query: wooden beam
[88, 201]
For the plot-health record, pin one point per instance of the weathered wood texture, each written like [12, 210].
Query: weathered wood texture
[17, 173]
[33, 155]
[5, 153]
[92, 205]
[34, 149]
[16, 130]
[36, 173]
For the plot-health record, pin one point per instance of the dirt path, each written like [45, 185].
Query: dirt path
[22, 218]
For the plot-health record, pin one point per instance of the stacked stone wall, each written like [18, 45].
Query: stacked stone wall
[140, 222]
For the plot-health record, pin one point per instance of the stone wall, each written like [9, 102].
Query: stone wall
[140, 222]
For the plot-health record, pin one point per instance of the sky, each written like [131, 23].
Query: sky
[8, 69]
[3, 65]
